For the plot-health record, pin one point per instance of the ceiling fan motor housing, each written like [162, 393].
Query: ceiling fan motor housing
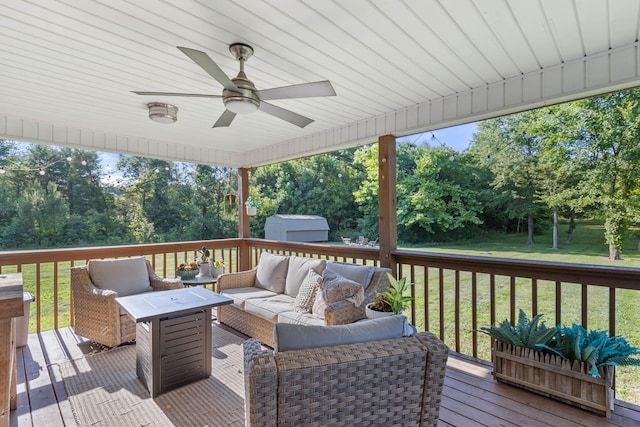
[244, 101]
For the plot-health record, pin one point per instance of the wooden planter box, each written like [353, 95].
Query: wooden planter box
[553, 377]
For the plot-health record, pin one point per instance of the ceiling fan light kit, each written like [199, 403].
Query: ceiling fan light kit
[162, 113]
[239, 95]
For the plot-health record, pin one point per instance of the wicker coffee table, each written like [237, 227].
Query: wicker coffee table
[173, 335]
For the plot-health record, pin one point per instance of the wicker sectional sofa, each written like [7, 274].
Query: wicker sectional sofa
[374, 380]
[266, 294]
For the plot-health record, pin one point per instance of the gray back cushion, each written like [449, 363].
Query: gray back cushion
[126, 276]
[298, 270]
[272, 272]
[288, 336]
[358, 273]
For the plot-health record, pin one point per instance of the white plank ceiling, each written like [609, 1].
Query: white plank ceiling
[67, 68]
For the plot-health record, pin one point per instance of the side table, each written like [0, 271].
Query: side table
[202, 281]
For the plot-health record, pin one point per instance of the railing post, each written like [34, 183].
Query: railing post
[243, 219]
[387, 200]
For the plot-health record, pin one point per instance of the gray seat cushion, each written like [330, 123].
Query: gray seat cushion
[296, 318]
[296, 337]
[240, 295]
[269, 308]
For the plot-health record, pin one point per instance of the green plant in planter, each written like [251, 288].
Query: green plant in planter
[393, 299]
[250, 203]
[596, 348]
[204, 254]
[527, 334]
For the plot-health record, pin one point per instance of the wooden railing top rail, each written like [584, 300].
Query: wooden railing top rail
[602, 275]
[331, 251]
[61, 255]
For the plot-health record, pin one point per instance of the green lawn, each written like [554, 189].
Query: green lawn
[587, 248]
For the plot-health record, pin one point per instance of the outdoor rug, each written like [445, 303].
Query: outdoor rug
[103, 390]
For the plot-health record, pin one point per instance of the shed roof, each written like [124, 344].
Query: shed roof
[294, 222]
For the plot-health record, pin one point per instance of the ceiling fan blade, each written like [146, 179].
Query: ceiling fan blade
[225, 119]
[286, 115]
[304, 90]
[191, 95]
[207, 64]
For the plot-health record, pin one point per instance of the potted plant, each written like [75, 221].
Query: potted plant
[217, 267]
[392, 301]
[187, 271]
[568, 364]
[204, 266]
[251, 206]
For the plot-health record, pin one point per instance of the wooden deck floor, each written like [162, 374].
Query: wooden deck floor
[470, 398]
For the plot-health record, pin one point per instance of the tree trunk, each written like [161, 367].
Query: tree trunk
[572, 225]
[530, 229]
[555, 228]
[614, 253]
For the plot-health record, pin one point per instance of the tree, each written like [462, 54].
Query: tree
[612, 132]
[511, 153]
[439, 196]
[559, 163]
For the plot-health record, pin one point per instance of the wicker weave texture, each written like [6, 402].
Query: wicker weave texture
[96, 315]
[348, 385]
[248, 324]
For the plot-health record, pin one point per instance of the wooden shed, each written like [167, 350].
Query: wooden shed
[296, 228]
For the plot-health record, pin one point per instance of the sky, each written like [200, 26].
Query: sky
[456, 137]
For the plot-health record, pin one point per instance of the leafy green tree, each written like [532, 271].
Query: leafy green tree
[41, 217]
[512, 154]
[151, 192]
[559, 163]
[210, 219]
[84, 189]
[439, 197]
[612, 132]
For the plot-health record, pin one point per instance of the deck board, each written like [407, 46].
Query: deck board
[471, 397]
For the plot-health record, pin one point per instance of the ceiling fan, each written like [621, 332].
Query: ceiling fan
[240, 96]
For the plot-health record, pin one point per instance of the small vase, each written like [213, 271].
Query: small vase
[215, 272]
[205, 270]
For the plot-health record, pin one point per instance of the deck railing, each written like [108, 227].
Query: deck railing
[454, 295]
[46, 273]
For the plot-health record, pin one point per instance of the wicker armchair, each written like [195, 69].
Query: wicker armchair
[377, 383]
[97, 316]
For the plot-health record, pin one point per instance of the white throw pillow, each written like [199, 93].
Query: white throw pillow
[126, 276]
[307, 295]
[358, 273]
[298, 269]
[272, 272]
[287, 336]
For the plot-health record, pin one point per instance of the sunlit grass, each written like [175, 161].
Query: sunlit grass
[587, 248]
